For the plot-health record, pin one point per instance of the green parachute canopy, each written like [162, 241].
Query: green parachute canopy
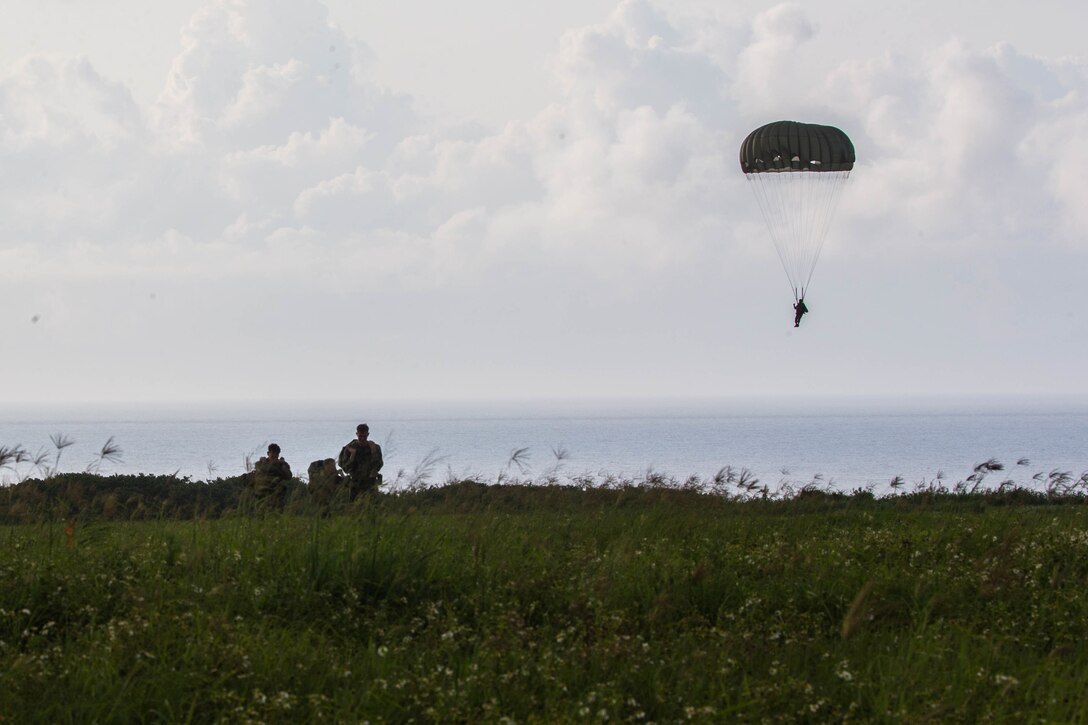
[797, 172]
[793, 146]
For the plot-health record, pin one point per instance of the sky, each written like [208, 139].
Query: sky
[301, 201]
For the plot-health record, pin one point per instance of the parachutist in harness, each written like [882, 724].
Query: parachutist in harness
[797, 172]
[799, 311]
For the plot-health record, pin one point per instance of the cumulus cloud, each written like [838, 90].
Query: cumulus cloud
[766, 72]
[251, 72]
[948, 143]
[271, 157]
[70, 147]
[260, 130]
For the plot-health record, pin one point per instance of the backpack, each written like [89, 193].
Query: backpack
[345, 461]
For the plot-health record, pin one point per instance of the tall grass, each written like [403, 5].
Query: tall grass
[19, 461]
[547, 603]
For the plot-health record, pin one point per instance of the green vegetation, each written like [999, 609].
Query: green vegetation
[478, 603]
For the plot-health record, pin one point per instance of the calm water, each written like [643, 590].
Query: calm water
[849, 445]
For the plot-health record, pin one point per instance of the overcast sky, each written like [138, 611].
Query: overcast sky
[301, 200]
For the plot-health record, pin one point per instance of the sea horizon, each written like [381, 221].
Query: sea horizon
[838, 442]
[543, 407]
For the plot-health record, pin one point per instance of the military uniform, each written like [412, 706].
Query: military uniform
[325, 480]
[362, 461]
[269, 478]
[799, 310]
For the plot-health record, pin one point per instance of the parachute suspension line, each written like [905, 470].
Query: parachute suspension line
[780, 197]
[797, 208]
[771, 211]
[813, 198]
[823, 211]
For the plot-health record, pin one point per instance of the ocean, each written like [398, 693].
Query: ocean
[844, 444]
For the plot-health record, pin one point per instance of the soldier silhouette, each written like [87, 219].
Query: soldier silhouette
[799, 311]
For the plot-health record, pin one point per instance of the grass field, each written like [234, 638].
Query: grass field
[532, 604]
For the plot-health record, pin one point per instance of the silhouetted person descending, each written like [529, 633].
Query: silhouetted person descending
[799, 310]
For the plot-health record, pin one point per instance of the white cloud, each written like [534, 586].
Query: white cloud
[70, 146]
[267, 179]
[767, 67]
[639, 150]
[948, 143]
[254, 71]
[637, 58]
[271, 163]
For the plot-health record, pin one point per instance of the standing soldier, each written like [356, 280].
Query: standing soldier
[362, 460]
[270, 476]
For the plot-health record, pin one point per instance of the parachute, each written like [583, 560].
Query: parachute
[797, 171]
